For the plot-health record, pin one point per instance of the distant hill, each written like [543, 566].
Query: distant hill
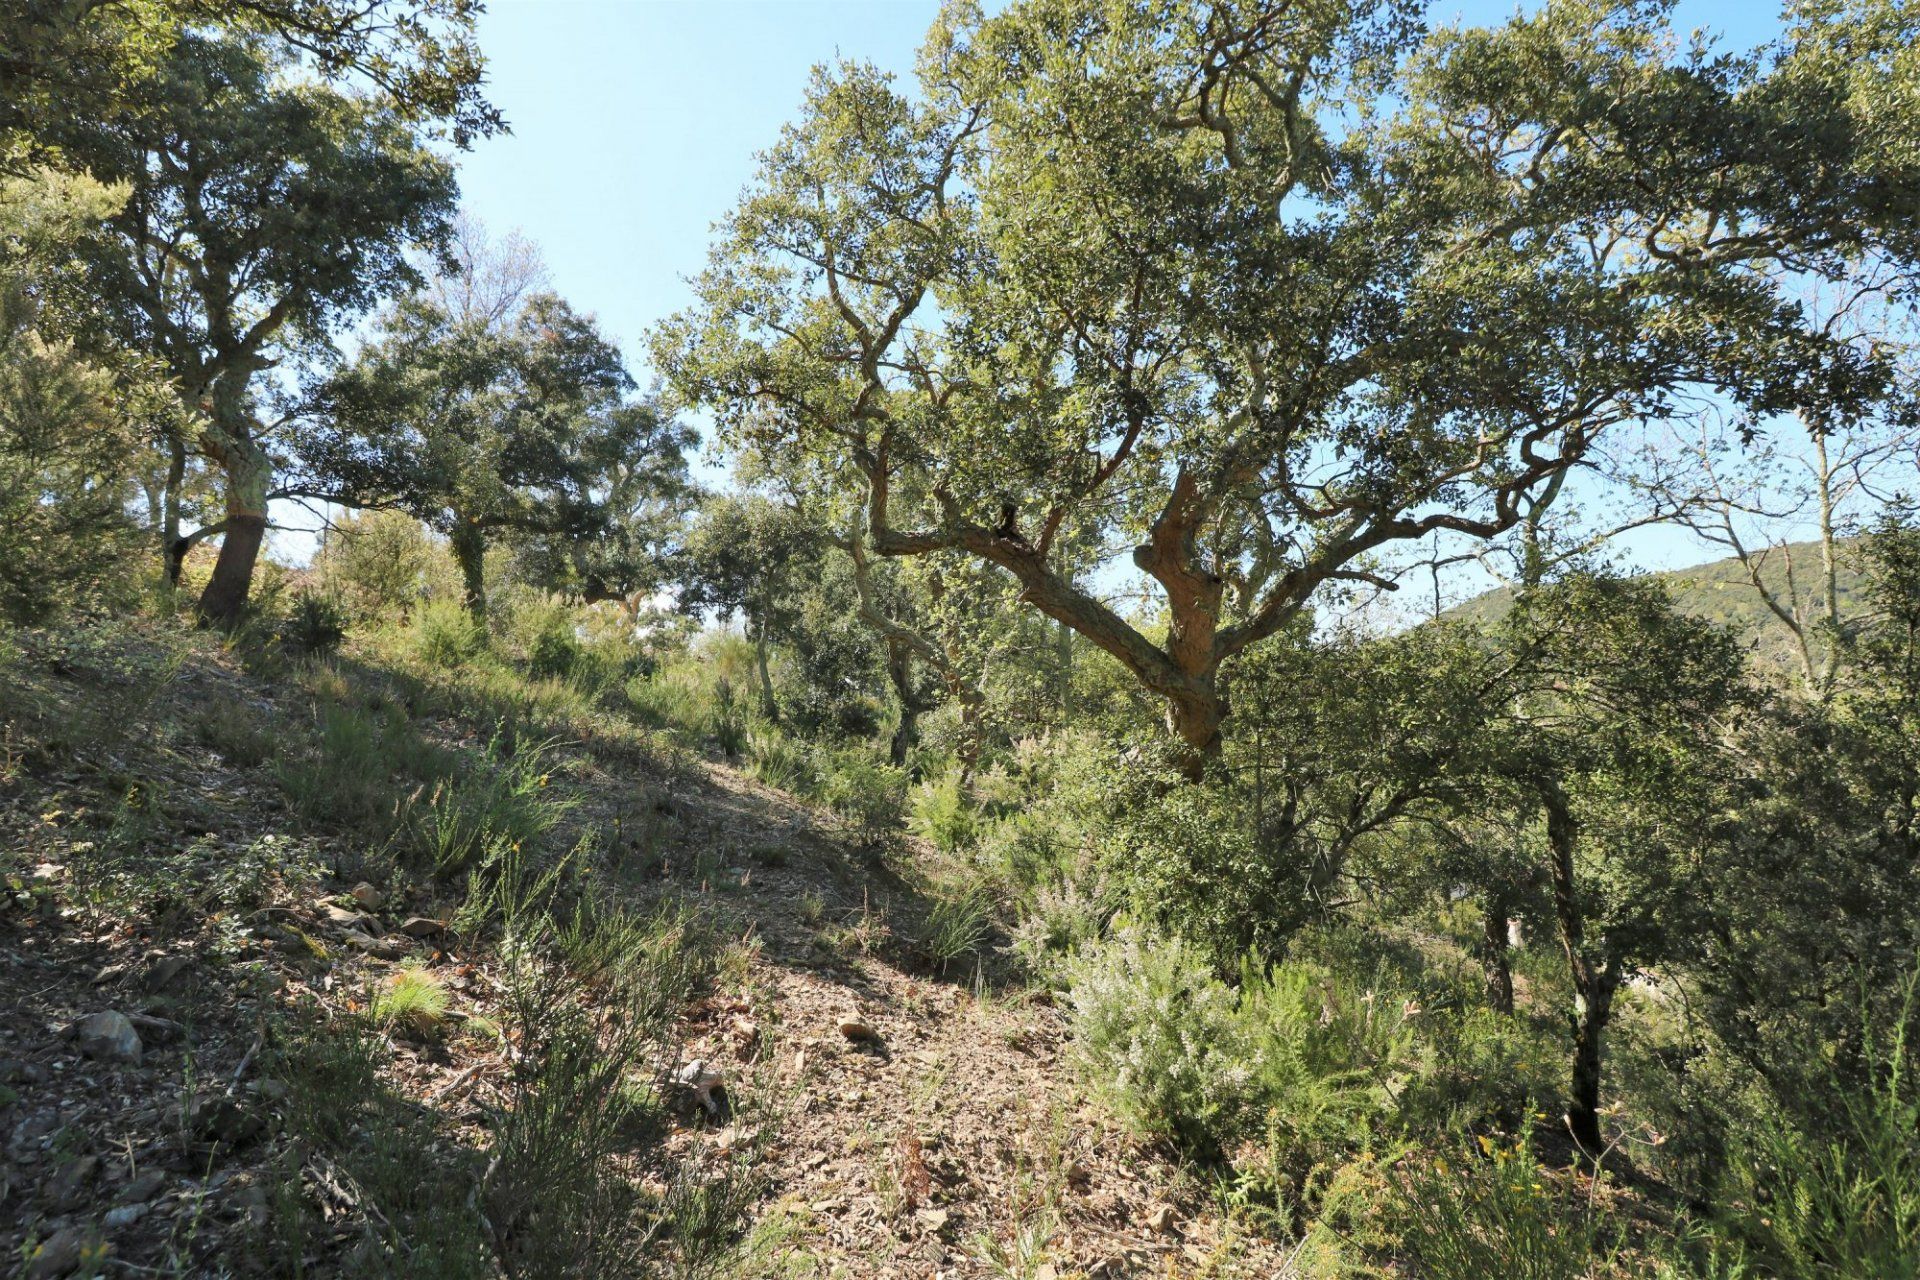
[1720, 593]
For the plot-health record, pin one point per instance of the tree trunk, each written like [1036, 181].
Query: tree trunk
[469, 546]
[173, 549]
[1593, 1010]
[1594, 981]
[900, 674]
[1496, 970]
[1195, 716]
[249, 473]
[769, 705]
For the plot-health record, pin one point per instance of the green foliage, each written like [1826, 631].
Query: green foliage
[869, 793]
[68, 430]
[502, 803]
[410, 1000]
[354, 774]
[958, 922]
[67, 64]
[383, 564]
[1162, 1038]
[265, 210]
[446, 635]
[1102, 293]
[316, 623]
[1498, 1212]
[1833, 1190]
[943, 815]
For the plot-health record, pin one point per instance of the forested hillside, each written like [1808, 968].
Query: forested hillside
[1722, 592]
[913, 765]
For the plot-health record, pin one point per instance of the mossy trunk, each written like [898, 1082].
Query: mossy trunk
[469, 545]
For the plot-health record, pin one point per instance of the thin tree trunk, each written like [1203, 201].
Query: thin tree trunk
[1593, 1010]
[900, 674]
[1594, 981]
[769, 705]
[173, 549]
[1495, 964]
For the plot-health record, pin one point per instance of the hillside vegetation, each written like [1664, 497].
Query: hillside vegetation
[1722, 592]
[446, 833]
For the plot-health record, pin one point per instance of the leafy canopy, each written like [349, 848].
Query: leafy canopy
[1269, 292]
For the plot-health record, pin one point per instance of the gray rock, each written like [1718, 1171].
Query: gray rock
[165, 970]
[696, 1077]
[20, 1071]
[30, 1131]
[366, 895]
[57, 1255]
[125, 1216]
[67, 1188]
[856, 1030]
[108, 1036]
[143, 1188]
[342, 918]
[422, 927]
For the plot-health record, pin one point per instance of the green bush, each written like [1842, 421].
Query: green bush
[779, 761]
[502, 803]
[1498, 1213]
[352, 775]
[1833, 1190]
[383, 564]
[867, 792]
[1162, 1039]
[942, 814]
[1295, 1070]
[958, 922]
[1057, 921]
[446, 635]
[316, 623]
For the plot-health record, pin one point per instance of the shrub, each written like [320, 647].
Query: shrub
[1295, 1070]
[316, 623]
[348, 778]
[503, 802]
[1497, 1213]
[866, 792]
[941, 814]
[383, 563]
[235, 730]
[1025, 848]
[410, 1176]
[1058, 921]
[958, 923]
[560, 1188]
[446, 635]
[1835, 1192]
[779, 762]
[1160, 1038]
[545, 631]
